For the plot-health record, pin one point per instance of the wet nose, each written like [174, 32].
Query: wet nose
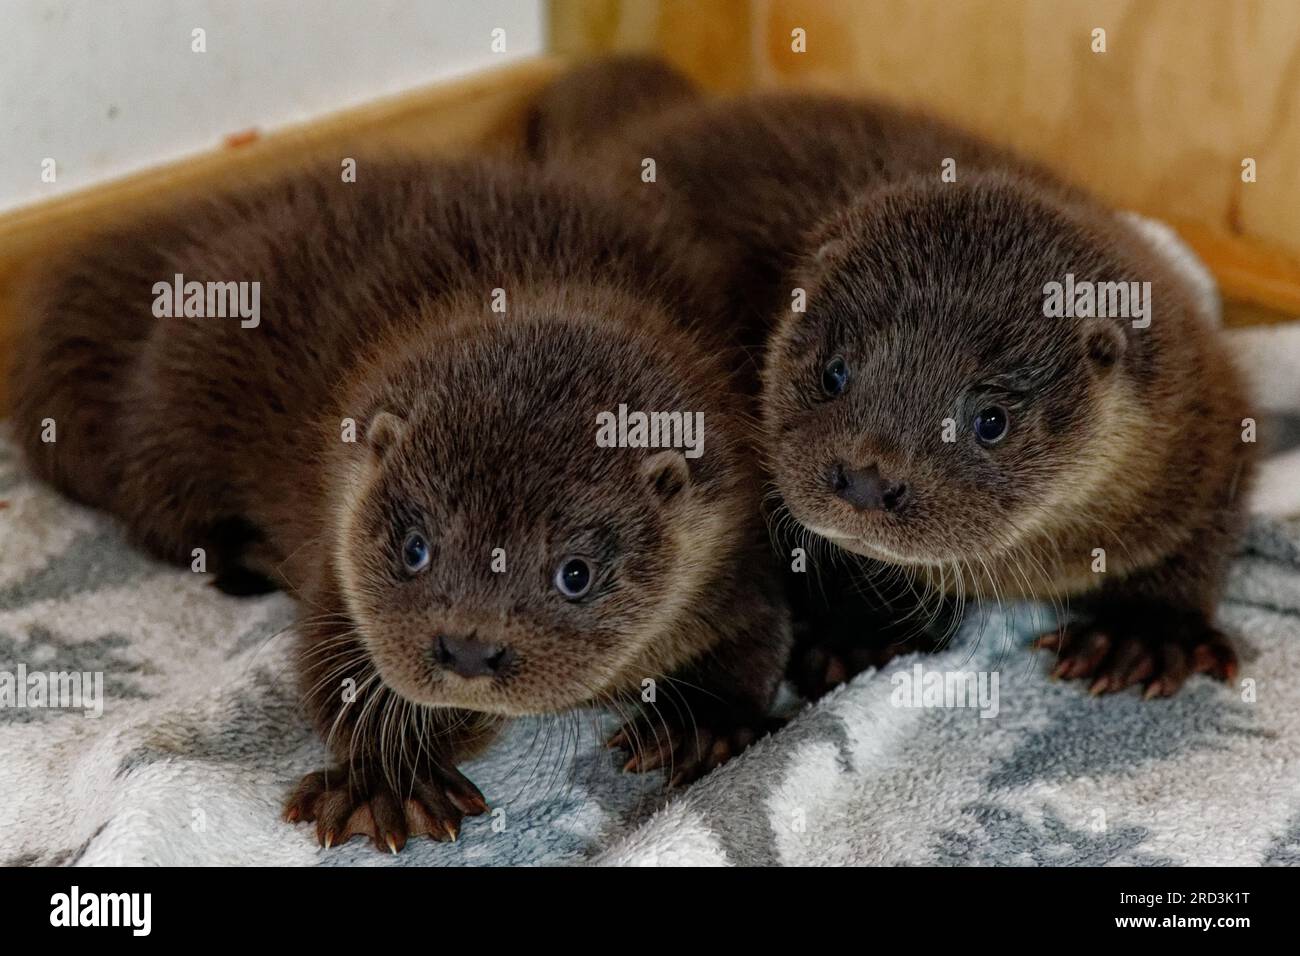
[865, 488]
[470, 657]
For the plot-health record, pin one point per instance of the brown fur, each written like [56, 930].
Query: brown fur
[1124, 439]
[476, 428]
[599, 100]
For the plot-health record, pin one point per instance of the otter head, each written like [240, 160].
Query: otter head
[924, 409]
[494, 552]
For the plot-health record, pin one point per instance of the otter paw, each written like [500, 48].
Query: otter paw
[1116, 656]
[687, 750]
[432, 805]
[817, 668]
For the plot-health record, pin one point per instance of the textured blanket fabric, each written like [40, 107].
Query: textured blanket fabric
[187, 750]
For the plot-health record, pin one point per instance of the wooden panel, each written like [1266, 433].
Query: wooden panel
[448, 117]
[1160, 122]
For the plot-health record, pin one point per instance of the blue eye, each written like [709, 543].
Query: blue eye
[573, 578]
[415, 553]
[992, 424]
[835, 377]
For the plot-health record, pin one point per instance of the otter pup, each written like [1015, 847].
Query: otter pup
[409, 440]
[926, 402]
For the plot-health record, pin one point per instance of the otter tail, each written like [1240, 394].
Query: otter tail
[599, 100]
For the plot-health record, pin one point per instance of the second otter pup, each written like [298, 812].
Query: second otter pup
[409, 440]
[925, 404]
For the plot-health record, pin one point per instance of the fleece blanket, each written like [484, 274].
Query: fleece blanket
[178, 732]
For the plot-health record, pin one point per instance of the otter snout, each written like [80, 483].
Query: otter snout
[865, 488]
[470, 657]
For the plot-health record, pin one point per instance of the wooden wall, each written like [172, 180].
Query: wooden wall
[1160, 122]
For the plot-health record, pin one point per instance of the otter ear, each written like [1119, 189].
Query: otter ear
[666, 473]
[384, 431]
[1104, 342]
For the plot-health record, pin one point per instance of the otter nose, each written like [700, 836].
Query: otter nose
[865, 488]
[469, 657]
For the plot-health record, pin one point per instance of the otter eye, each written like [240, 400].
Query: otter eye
[991, 424]
[573, 578]
[835, 376]
[415, 553]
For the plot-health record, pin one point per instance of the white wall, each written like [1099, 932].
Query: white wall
[105, 87]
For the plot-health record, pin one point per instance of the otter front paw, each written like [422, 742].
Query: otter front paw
[367, 803]
[1158, 651]
[687, 748]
